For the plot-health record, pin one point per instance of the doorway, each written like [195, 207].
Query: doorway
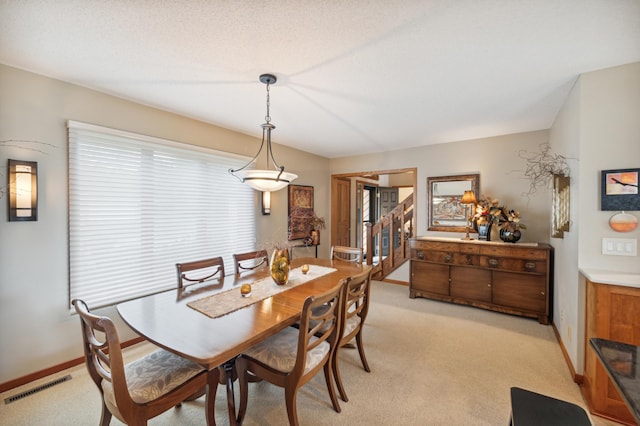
[365, 198]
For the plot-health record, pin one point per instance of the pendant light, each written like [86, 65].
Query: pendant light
[271, 179]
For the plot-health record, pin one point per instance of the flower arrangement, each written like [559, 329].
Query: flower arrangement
[489, 210]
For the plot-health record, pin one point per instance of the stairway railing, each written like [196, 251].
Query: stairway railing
[397, 226]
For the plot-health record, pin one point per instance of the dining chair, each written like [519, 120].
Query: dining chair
[250, 260]
[355, 307]
[207, 269]
[348, 254]
[292, 357]
[142, 389]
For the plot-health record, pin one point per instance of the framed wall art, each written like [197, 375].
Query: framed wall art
[300, 211]
[619, 190]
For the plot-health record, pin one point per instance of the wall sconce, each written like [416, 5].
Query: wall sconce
[266, 203]
[23, 191]
[468, 198]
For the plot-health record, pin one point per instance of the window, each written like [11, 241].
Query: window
[138, 205]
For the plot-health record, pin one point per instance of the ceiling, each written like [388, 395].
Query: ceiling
[354, 76]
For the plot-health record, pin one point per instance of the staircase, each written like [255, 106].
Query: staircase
[397, 227]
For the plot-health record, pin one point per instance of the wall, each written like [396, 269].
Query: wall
[497, 161]
[36, 328]
[605, 111]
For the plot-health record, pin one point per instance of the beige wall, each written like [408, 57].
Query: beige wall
[599, 127]
[495, 159]
[36, 329]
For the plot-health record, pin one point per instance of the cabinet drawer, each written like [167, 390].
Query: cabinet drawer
[510, 251]
[520, 291]
[430, 277]
[434, 245]
[516, 265]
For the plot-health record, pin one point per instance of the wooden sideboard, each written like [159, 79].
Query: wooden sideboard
[503, 277]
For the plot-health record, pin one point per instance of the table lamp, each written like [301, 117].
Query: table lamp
[468, 198]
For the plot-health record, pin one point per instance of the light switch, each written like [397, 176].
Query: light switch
[620, 246]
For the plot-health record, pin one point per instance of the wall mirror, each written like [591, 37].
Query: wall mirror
[444, 193]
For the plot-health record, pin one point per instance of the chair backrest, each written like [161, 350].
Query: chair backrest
[318, 326]
[348, 254]
[251, 260]
[207, 269]
[355, 304]
[103, 355]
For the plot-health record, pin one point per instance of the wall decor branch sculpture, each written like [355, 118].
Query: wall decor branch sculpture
[542, 166]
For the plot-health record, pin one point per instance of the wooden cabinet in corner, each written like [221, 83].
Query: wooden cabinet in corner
[503, 277]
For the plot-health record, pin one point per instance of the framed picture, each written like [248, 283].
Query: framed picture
[300, 211]
[619, 190]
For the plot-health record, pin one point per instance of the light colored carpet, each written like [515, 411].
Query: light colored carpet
[432, 363]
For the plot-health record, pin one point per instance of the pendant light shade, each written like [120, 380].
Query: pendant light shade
[269, 180]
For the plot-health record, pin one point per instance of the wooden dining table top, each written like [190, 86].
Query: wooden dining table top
[167, 321]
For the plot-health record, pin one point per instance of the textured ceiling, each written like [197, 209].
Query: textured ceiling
[354, 76]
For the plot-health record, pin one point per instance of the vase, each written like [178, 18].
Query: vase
[510, 236]
[484, 231]
[280, 266]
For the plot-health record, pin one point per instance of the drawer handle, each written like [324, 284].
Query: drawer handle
[420, 255]
[530, 266]
[469, 260]
[493, 262]
[448, 258]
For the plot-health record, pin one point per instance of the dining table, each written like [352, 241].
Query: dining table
[179, 320]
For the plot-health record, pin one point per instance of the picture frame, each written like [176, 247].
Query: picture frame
[300, 211]
[444, 194]
[619, 190]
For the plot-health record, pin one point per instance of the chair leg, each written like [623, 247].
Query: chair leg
[290, 396]
[243, 381]
[105, 418]
[332, 393]
[338, 377]
[363, 358]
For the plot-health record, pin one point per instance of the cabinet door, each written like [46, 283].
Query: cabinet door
[430, 277]
[471, 283]
[522, 291]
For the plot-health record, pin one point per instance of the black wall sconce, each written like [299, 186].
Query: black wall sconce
[23, 191]
[266, 203]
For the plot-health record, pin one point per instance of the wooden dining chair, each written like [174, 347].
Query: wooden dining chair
[250, 260]
[144, 388]
[292, 357]
[355, 307]
[206, 269]
[348, 254]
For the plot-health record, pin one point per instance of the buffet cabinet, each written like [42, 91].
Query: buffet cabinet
[503, 277]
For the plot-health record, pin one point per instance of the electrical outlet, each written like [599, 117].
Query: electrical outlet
[561, 315]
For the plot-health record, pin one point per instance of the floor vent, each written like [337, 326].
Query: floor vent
[36, 389]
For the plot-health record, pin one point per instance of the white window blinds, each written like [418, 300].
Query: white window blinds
[138, 205]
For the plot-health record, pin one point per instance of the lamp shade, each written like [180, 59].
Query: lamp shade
[468, 198]
[265, 180]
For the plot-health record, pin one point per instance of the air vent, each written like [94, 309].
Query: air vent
[36, 389]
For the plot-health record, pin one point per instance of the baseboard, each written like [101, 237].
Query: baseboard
[577, 378]
[11, 384]
[387, 280]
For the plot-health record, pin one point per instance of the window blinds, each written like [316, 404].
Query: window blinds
[138, 205]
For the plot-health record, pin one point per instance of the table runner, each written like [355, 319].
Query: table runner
[229, 301]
